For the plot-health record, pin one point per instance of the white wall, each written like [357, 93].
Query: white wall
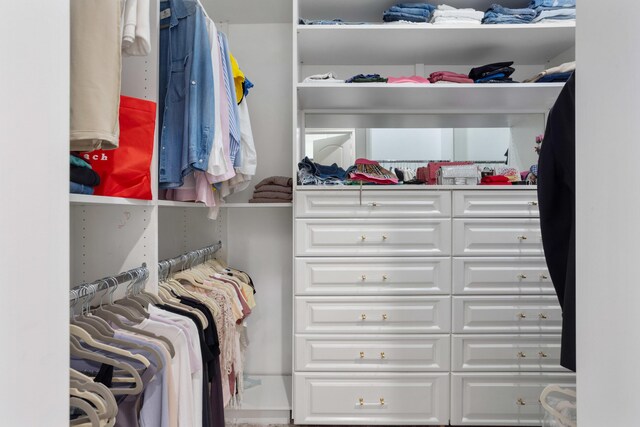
[34, 218]
[481, 143]
[608, 226]
[408, 144]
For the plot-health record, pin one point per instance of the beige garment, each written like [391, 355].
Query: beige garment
[562, 68]
[96, 62]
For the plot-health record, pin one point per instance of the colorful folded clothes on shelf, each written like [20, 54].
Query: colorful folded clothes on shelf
[370, 171]
[368, 78]
[445, 15]
[497, 14]
[448, 76]
[409, 79]
[567, 67]
[275, 189]
[409, 12]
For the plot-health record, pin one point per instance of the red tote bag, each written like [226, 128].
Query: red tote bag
[126, 171]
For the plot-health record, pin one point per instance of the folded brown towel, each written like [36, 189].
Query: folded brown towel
[273, 195]
[274, 188]
[260, 200]
[276, 180]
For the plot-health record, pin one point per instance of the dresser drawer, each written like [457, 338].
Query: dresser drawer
[372, 353]
[501, 399]
[371, 237]
[371, 398]
[372, 276]
[509, 353]
[520, 276]
[502, 203]
[373, 204]
[507, 314]
[411, 315]
[497, 237]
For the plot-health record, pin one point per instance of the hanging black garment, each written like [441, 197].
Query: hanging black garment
[557, 199]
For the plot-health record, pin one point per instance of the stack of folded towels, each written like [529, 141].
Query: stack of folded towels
[448, 77]
[83, 178]
[275, 189]
[499, 72]
[553, 10]
[561, 73]
[445, 14]
[409, 12]
[503, 15]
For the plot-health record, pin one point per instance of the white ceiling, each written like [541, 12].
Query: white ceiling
[249, 11]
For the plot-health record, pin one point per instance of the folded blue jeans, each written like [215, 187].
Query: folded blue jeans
[555, 78]
[552, 3]
[494, 18]
[522, 13]
[76, 188]
[411, 11]
[426, 6]
[399, 16]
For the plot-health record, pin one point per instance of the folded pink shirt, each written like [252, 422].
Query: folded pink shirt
[410, 79]
[448, 76]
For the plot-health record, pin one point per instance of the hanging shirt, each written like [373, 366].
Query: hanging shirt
[136, 37]
[238, 78]
[186, 92]
[234, 121]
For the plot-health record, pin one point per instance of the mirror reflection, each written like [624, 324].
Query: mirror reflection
[407, 146]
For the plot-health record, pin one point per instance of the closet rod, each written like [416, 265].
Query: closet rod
[483, 162]
[186, 260]
[87, 289]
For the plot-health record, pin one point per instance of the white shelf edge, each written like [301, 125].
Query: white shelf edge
[85, 199]
[175, 204]
[257, 205]
[430, 86]
[434, 27]
[401, 187]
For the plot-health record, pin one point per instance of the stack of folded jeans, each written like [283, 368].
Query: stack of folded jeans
[368, 78]
[275, 189]
[310, 173]
[448, 77]
[83, 177]
[553, 10]
[497, 14]
[499, 72]
[561, 73]
[410, 12]
[445, 15]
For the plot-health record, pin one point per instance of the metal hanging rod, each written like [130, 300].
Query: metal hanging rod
[427, 161]
[173, 265]
[90, 289]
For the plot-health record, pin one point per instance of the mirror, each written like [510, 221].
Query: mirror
[407, 146]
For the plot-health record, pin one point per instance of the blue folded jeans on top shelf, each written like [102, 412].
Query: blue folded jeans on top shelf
[426, 6]
[522, 12]
[555, 78]
[552, 3]
[411, 11]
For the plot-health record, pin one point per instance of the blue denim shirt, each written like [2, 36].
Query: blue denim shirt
[186, 92]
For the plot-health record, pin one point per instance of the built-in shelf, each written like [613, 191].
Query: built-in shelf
[502, 98]
[406, 44]
[83, 199]
[413, 187]
[257, 205]
[371, 10]
[175, 204]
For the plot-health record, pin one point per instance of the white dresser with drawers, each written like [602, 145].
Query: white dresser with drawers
[422, 307]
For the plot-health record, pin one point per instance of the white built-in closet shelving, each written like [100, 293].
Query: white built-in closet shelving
[325, 396]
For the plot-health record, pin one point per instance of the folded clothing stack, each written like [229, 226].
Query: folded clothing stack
[310, 173]
[323, 78]
[561, 73]
[370, 171]
[499, 72]
[495, 180]
[448, 77]
[445, 14]
[83, 178]
[497, 14]
[275, 189]
[408, 79]
[368, 78]
[553, 10]
[410, 12]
